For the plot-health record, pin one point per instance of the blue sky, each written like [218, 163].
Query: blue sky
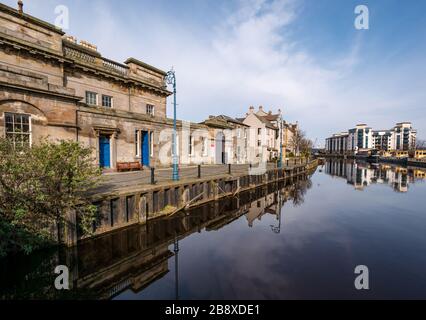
[303, 56]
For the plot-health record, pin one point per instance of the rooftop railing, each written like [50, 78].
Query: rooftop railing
[85, 57]
[79, 55]
[114, 66]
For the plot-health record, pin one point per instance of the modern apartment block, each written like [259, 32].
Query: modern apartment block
[404, 136]
[338, 143]
[383, 140]
[362, 138]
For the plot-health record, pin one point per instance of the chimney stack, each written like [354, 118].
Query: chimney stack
[261, 108]
[251, 110]
[88, 45]
[20, 7]
[70, 38]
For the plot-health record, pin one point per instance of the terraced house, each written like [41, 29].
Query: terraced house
[52, 86]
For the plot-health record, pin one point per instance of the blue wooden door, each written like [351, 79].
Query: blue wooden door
[104, 152]
[145, 148]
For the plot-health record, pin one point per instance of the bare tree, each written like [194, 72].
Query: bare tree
[301, 143]
[421, 144]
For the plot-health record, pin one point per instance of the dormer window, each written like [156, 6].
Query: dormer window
[150, 109]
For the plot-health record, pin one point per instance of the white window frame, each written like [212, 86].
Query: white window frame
[30, 131]
[152, 111]
[96, 98]
[112, 101]
[138, 143]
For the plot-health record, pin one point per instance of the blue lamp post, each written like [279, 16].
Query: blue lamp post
[280, 161]
[171, 79]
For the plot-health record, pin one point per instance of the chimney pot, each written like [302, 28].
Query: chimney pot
[88, 45]
[20, 7]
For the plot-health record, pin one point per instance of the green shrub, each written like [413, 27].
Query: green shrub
[38, 187]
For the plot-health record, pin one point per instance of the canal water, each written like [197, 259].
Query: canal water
[301, 239]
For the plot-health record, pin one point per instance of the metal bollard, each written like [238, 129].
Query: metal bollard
[199, 171]
[229, 169]
[152, 175]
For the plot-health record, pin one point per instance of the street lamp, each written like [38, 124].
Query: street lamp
[171, 79]
[275, 229]
[176, 251]
[280, 161]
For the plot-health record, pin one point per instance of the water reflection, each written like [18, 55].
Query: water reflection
[363, 174]
[134, 258]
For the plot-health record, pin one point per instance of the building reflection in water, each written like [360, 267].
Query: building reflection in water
[134, 258]
[363, 174]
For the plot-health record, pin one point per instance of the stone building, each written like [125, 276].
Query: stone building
[262, 137]
[52, 86]
[231, 139]
[290, 133]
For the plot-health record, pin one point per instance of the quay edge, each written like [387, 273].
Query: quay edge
[139, 205]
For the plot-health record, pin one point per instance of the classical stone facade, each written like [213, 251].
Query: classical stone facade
[51, 86]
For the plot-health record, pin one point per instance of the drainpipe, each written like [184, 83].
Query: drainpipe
[76, 125]
[129, 100]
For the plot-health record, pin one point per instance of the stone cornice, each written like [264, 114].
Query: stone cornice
[39, 91]
[31, 48]
[83, 107]
[99, 70]
[31, 19]
[145, 65]
[78, 47]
